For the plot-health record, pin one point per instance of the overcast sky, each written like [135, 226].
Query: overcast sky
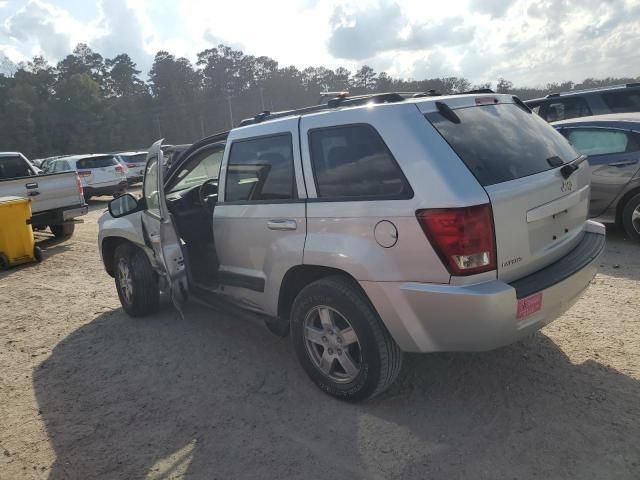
[530, 42]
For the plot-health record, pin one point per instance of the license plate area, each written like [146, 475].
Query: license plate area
[529, 305]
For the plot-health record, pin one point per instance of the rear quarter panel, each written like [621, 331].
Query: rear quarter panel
[340, 234]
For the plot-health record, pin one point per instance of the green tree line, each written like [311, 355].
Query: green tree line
[89, 104]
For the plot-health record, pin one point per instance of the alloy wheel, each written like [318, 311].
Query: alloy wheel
[332, 344]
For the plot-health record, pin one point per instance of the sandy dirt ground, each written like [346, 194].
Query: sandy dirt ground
[87, 392]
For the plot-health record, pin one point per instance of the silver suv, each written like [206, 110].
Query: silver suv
[367, 227]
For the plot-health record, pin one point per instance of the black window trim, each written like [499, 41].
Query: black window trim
[365, 198]
[296, 194]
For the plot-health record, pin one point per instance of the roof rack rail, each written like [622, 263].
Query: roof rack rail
[342, 99]
[339, 100]
[594, 89]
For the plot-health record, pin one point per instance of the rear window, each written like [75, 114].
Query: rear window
[14, 167]
[96, 162]
[500, 143]
[138, 158]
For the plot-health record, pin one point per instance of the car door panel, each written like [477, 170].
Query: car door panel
[611, 170]
[258, 241]
[159, 226]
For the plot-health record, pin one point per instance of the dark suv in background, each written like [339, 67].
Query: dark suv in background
[583, 103]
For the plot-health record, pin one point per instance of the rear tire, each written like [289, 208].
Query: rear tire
[631, 218]
[4, 262]
[87, 197]
[136, 281]
[63, 230]
[363, 360]
[37, 253]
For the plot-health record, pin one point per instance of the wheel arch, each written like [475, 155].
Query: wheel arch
[108, 249]
[623, 202]
[300, 276]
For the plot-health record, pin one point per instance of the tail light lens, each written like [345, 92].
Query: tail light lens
[79, 186]
[119, 169]
[84, 173]
[463, 237]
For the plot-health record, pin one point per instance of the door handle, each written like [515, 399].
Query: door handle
[623, 163]
[154, 237]
[282, 224]
[30, 186]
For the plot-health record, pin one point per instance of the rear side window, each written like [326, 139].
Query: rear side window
[353, 162]
[96, 162]
[622, 102]
[602, 142]
[566, 108]
[14, 167]
[261, 169]
[500, 143]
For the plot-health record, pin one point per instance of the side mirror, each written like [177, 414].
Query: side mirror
[123, 205]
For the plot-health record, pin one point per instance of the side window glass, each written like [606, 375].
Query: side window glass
[261, 169]
[151, 187]
[567, 108]
[207, 168]
[353, 162]
[622, 102]
[598, 142]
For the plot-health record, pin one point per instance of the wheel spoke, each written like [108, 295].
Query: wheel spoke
[326, 362]
[347, 363]
[326, 318]
[314, 335]
[348, 336]
[635, 216]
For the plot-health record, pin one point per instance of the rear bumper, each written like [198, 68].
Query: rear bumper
[74, 212]
[58, 216]
[105, 189]
[431, 318]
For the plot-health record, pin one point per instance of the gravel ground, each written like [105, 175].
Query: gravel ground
[86, 392]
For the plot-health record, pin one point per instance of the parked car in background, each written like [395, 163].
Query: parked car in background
[367, 226]
[56, 199]
[583, 103]
[612, 144]
[134, 162]
[99, 174]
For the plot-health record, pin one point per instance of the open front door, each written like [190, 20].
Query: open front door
[160, 230]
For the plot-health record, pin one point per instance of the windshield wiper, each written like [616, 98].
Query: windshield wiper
[569, 168]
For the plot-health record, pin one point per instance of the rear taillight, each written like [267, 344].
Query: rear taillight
[79, 185]
[84, 173]
[462, 237]
[119, 169]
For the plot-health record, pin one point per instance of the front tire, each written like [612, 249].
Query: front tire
[136, 281]
[631, 218]
[63, 230]
[341, 342]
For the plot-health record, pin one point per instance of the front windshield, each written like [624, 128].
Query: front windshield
[198, 172]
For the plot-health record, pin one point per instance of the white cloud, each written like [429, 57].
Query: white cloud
[527, 41]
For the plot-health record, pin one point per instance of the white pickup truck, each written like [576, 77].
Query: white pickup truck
[56, 198]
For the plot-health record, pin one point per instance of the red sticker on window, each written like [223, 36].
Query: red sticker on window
[529, 305]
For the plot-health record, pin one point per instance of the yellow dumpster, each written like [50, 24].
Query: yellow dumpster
[16, 236]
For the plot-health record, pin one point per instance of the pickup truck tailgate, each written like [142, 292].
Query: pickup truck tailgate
[47, 192]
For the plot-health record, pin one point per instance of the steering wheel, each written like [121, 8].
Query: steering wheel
[208, 194]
